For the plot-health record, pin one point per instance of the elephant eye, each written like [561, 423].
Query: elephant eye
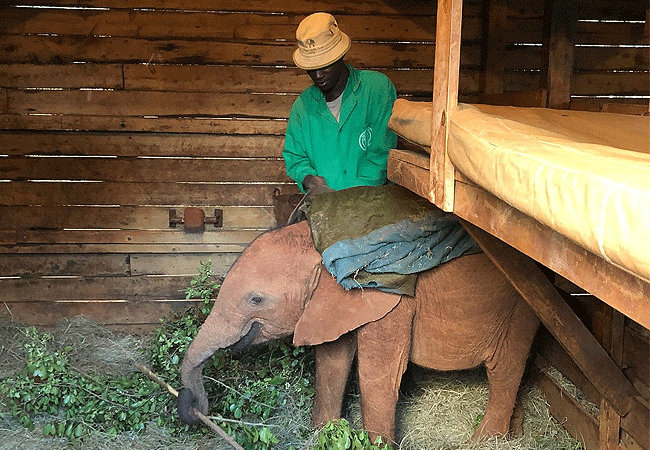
[256, 300]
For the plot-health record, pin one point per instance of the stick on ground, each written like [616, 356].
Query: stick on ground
[209, 423]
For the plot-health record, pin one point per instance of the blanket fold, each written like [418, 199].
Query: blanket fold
[383, 236]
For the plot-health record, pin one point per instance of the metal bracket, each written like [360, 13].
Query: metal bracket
[194, 219]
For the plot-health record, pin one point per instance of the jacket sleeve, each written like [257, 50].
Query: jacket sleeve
[295, 152]
[386, 138]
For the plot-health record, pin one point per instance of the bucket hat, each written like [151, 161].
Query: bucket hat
[320, 42]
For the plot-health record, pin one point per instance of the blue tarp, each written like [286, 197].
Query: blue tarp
[384, 230]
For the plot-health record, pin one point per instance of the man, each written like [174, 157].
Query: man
[337, 135]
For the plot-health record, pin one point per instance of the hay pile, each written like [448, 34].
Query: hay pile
[442, 414]
[450, 406]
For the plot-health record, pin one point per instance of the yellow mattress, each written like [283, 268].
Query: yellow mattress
[584, 174]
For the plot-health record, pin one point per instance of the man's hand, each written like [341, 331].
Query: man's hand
[315, 185]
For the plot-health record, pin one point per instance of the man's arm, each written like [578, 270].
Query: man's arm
[295, 154]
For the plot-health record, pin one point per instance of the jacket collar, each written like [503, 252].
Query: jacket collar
[349, 100]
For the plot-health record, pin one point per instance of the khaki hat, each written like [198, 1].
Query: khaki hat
[320, 42]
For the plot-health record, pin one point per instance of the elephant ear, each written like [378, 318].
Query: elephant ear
[332, 311]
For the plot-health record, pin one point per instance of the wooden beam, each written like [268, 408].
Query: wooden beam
[559, 319]
[566, 409]
[535, 98]
[445, 98]
[561, 25]
[494, 46]
[636, 423]
[619, 289]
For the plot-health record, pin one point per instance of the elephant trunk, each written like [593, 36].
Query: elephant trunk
[204, 345]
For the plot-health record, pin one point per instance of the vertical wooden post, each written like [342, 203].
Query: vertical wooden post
[494, 46]
[562, 20]
[445, 98]
[610, 421]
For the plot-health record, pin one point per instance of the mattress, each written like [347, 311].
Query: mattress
[586, 175]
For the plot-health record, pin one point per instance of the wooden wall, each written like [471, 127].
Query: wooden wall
[114, 112]
[578, 405]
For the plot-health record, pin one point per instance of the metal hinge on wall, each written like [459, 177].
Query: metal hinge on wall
[194, 219]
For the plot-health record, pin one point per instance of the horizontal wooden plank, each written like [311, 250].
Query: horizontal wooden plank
[568, 411]
[168, 170]
[617, 106]
[179, 264]
[228, 25]
[33, 266]
[612, 58]
[67, 49]
[43, 49]
[609, 32]
[127, 288]
[619, 289]
[586, 58]
[620, 83]
[213, 78]
[268, 6]
[133, 316]
[418, 158]
[147, 103]
[124, 217]
[212, 25]
[140, 144]
[55, 193]
[611, 9]
[121, 248]
[107, 76]
[74, 122]
[603, 64]
[594, 9]
[402, 170]
[240, 79]
[636, 422]
[189, 78]
[171, 236]
[180, 79]
[15, 265]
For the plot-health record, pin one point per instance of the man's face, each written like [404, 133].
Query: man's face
[327, 77]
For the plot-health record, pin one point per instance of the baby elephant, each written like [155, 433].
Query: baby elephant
[464, 314]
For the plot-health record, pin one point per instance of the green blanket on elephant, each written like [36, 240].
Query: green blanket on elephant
[382, 236]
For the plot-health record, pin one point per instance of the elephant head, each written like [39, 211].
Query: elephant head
[275, 289]
[260, 299]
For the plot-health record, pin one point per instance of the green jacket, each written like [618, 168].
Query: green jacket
[348, 153]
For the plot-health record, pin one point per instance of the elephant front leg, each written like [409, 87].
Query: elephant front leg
[383, 353]
[333, 362]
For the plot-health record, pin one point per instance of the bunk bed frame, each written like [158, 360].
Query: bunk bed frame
[516, 242]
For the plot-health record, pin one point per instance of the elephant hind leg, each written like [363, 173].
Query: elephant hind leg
[505, 370]
[333, 362]
[517, 420]
[503, 387]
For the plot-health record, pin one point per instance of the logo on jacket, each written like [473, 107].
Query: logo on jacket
[365, 138]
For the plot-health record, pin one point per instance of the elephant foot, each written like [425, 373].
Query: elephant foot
[517, 421]
[489, 428]
[384, 439]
